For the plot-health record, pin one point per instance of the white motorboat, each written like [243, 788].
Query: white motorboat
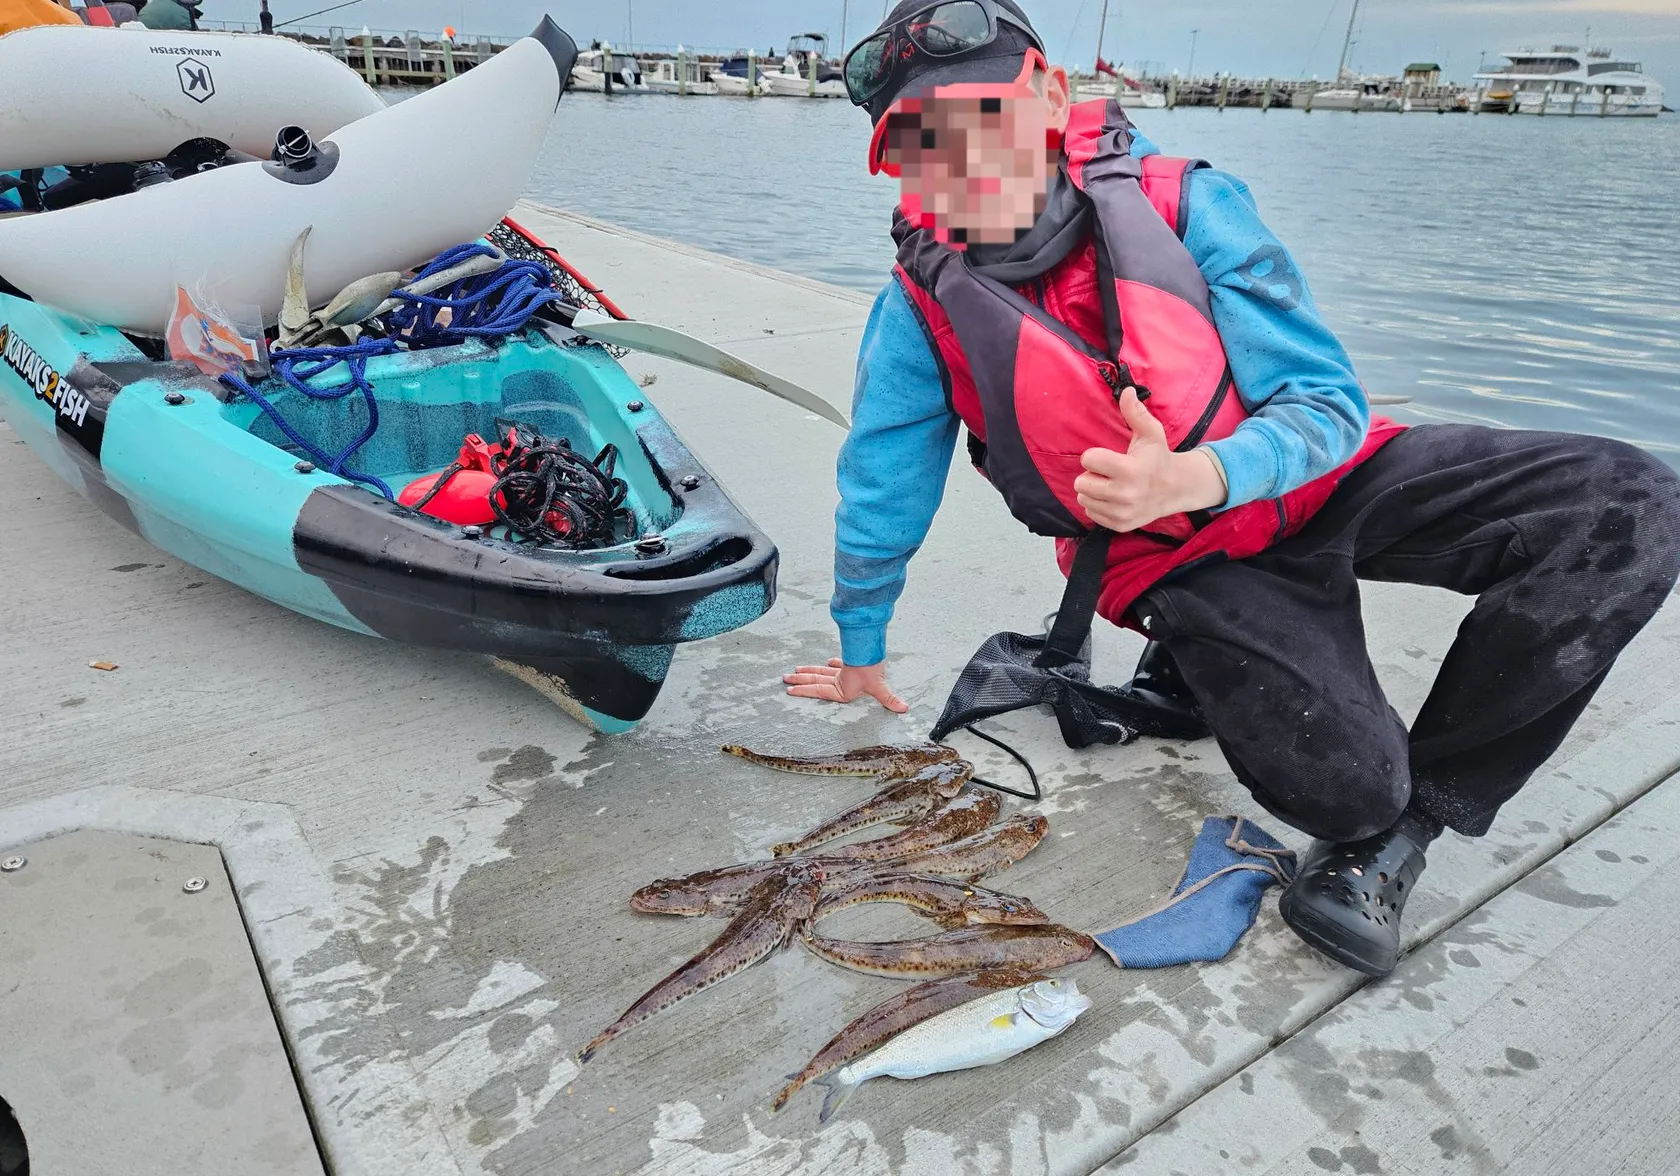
[623, 75]
[1565, 80]
[1356, 94]
[369, 199]
[806, 51]
[81, 95]
[737, 76]
[681, 75]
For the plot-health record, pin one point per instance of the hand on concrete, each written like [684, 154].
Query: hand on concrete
[1126, 491]
[839, 682]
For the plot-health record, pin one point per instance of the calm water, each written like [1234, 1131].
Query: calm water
[1511, 271]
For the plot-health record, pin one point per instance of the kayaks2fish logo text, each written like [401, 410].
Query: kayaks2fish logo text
[41, 377]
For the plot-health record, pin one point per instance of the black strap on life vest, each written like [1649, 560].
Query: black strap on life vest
[1068, 642]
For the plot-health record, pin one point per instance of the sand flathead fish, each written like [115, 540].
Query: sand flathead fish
[982, 1032]
[903, 801]
[896, 1014]
[892, 760]
[949, 903]
[965, 816]
[779, 905]
[1042, 948]
[710, 892]
[986, 852]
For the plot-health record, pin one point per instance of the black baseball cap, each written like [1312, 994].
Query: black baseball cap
[998, 61]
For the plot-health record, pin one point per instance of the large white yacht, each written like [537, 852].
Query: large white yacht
[1569, 81]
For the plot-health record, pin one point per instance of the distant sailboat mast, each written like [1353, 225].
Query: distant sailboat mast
[1102, 27]
[1347, 42]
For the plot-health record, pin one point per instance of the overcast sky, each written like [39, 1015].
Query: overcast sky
[1284, 38]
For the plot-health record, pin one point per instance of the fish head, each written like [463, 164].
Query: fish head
[1054, 1003]
[945, 778]
[982, 906]
[671, 896]
[804, 891]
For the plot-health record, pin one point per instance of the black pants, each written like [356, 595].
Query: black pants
[1570, 544]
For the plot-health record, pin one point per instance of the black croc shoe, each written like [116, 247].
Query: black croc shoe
[1347, 898]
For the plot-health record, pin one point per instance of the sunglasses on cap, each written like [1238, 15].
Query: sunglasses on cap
[903, 127]
[944, 29]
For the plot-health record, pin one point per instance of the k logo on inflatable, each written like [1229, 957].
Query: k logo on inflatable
[196, 82]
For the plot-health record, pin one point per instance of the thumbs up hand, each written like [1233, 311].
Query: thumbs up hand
[1126, 491]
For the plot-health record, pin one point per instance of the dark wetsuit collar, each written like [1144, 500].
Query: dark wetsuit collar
[1052, 237]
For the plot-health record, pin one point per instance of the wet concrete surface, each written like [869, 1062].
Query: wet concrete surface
[482, 847]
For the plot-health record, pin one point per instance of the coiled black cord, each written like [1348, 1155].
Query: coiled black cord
[547, 492]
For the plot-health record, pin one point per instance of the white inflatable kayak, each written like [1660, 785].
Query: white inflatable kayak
[387, 192]
[74, 94]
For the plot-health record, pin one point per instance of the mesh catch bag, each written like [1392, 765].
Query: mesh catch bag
[1012, 671]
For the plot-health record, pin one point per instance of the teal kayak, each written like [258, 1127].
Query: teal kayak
[206, 475]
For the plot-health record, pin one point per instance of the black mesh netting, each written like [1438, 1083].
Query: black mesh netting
[576, 292]
[1012, 671]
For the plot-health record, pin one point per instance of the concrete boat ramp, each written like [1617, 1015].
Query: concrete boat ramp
[432, 864]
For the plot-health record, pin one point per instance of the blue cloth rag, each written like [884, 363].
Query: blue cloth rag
[1231, 863]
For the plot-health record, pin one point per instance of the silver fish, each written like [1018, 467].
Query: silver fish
[893, 1016]
[982, 1032]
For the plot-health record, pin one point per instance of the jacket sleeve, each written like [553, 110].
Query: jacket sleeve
[1292, 373]
[891, 473]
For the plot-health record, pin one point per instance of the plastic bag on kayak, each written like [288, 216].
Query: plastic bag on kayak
[219, 341]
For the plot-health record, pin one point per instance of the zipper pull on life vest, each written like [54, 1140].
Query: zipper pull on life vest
[1118, 377]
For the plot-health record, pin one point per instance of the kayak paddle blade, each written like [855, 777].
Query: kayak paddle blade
[673, 344]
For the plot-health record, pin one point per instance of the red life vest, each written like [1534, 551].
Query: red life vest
[1035, 370]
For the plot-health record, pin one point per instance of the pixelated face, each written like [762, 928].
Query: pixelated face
[975, 169]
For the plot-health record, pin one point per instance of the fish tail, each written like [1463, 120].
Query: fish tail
[839, 1090]
[794, 1082]
[590, 1050]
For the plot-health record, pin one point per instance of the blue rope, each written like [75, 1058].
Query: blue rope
[488, 305]
[296, 367]
[491, 305]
